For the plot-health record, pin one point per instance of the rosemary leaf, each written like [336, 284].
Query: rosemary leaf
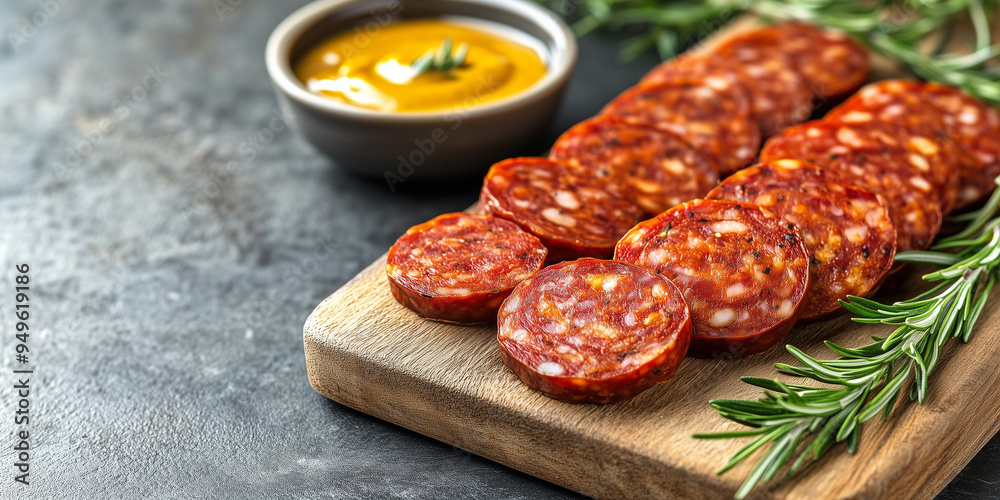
[441, 59]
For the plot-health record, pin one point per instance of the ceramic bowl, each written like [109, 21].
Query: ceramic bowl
[420, 145]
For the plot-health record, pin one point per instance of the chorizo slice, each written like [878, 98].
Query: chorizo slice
[975, 128]
[594, 331]
[659, 168]
[743, 270]
[712, 114]
[872, 159]
[960, 124]
[779, 95]
[891, 102]
[846, 229]
[832, 63]
[459, 267]
[573, 212]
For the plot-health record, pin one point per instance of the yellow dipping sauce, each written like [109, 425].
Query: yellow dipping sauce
[373, 71]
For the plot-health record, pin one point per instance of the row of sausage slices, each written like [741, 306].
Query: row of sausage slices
[701, 267]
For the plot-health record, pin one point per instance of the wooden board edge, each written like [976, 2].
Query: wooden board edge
[386, 393]
[366, 384]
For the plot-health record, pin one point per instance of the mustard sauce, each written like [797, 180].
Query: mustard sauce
[376, 72]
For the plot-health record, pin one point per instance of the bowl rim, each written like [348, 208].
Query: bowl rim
[562, 61]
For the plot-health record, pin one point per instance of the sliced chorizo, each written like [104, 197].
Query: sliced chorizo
[895, 102]
[832, 63]
[575, 213]
[846, 229]
[459, 267]
[594, 331]
[779, 95]
[659, 168]
[959, 124]
[975, 128]
[743, 270]
[874, 160]
[712, 114]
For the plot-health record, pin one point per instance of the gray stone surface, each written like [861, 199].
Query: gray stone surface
[173, 262]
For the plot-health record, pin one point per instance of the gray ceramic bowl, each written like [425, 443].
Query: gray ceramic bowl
[425, 145]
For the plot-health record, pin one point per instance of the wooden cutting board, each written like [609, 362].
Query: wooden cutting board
[366, 351]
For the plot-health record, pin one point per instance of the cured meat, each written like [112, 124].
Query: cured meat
[660, 169]
[945, 114]
[574, 213]
[832, 63]
[921, 129]
[975, 128]
[743, 270]
[459, 267]
[779, 95]
[712, 114]
[846, 229]
[896, 102]
[874, 160]
[594, 331]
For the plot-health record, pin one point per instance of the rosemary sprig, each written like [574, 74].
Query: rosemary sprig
[441, 59]
[905, 31]
[869, 379]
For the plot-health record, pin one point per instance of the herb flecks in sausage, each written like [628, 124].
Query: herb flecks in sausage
[741, 289]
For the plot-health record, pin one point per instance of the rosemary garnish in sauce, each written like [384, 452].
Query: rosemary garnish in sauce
[441, 59]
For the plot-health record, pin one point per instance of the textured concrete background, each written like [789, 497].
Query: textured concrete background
[174, 259]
